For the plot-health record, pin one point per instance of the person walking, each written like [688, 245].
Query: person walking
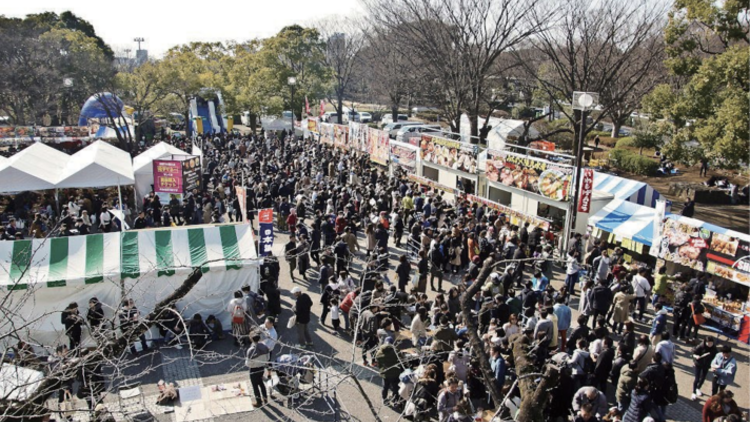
[256, 360]
[237, 308]
[302, 311]
[724, 367]
[389, 368]
[290, 253]
[703, 355]
[641, 287]
[658, 325]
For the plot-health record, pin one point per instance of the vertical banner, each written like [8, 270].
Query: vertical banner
[265, 230]
[661, 212]
[242, 198]
[167, 179]
[191, 174]
[587, 188]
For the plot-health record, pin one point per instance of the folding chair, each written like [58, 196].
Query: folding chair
[132, 403]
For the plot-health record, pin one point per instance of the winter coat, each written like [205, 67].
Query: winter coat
[725, 369]
[388, 362]
[601, 299]
[625, 383]
[657, 379]
[302, 308]
[621, 307]
[640, 405]
[709, 414]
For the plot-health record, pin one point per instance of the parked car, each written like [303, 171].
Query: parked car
[393, 128]
[408, 132]
[363, 117]
[388, 118]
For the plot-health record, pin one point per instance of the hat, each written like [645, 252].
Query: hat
[296, 289]
[389, 340]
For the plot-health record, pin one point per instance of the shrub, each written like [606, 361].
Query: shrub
[607, 141]
[633, 163]
[624, 143]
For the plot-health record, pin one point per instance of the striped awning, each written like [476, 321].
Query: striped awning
[627, 220]
[626, 189]
[77, 260]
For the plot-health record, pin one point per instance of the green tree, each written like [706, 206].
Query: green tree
[706, 105]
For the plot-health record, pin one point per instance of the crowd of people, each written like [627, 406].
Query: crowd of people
[342, 218]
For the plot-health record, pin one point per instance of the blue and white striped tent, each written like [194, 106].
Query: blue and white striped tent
[627, 220]
[626, 189]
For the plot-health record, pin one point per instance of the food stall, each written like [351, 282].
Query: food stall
[689, 245]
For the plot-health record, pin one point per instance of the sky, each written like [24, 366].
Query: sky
[166, 23]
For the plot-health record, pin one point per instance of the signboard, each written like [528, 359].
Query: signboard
[57, 134]
[516, 218]
[404, 156]
[265, 229]
[242, 199]
[341, 136]
[429, 183]
[191, 174]
[448, 153]
[358, 136]
[326, 133]
[531, 174]
[312, 125]
[167, 179]
[699, 249]
[587, 189]
[378, 146]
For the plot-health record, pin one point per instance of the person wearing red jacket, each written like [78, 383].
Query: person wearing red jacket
[346, 306]
[722, 404]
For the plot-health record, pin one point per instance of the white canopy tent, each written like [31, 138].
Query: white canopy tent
[38, 167]
[99, 164]
[143, 168]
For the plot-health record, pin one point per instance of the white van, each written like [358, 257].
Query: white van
[393, 128]
[406, 133]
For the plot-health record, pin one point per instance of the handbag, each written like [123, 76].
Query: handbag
[699, 319]
[292, 322]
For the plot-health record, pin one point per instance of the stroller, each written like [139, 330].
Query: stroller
[292, 371]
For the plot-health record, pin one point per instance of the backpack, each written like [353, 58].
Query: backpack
[238, 315]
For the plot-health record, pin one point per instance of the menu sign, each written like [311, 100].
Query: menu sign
[167, 178]
[378, 149]
[449, 153]
[531, 174]
[326, 133]
[516, 218]
[431, 184]
[358, 138]
[312, 125]
[191, 174]
[341, 136]
[404, 157]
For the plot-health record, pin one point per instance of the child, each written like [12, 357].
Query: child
[334, 305]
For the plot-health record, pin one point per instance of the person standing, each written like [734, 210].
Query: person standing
[640, 402]
[641, 287]
[302, 311]
[129, 318]
[389, 368]
[403, 271]
[95, 315]
[290, 253]
[658, 325]
[572, 272]
[238, 312]
[73, 322]
[256, 360]
[724, 367]
[703, 355]
[564, 316]
[720, 405]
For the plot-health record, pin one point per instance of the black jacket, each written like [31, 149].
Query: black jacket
[302, 308]
[601, 298]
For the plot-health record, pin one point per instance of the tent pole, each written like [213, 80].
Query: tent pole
[122, 206]
[57, 203]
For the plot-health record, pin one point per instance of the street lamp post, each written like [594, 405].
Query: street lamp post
[581, 101]
[292, 81]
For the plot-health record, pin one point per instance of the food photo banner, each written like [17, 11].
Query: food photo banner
[341, 136]
[56, 134]
[449, 153]
[312, 125]
[191, 174]
[358, 136]
[326, 133]
[379, 140]
[516, 218]
[531, 174]
[404, 156]
[702, 250]
[429, 183]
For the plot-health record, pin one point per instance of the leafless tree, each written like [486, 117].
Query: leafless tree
[342, 48]
[595, 46]
[458, 42]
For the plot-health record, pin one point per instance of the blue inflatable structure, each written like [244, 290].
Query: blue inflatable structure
[97, 105]
[210, 112]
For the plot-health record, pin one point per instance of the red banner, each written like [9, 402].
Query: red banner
[265, 215]
[167, 177]
[587, 188]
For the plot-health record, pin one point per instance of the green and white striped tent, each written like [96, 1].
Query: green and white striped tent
[68, 261]
[44, 275]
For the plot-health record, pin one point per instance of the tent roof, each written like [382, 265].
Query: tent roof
[18, 383]
[142, 163]
[629, 190]
[626, 219]
[80, 260]
[99, 164]
[37, 167]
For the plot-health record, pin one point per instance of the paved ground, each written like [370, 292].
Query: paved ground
[222, 362]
